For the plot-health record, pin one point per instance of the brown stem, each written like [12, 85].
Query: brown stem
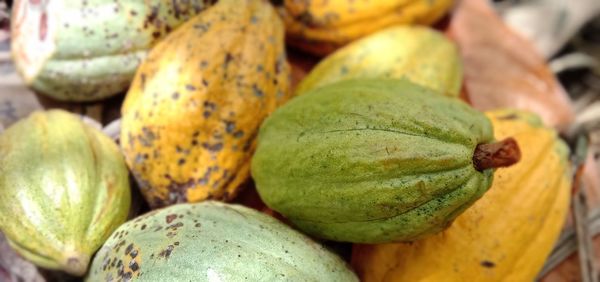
[494, 155]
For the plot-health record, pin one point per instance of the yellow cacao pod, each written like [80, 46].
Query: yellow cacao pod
[320, 27]
[192, 114]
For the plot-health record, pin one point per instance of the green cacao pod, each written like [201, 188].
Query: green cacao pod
[213, 241]
[64, 189]
[375, 160]
[191, 116]
[87, 50]
[420, 54]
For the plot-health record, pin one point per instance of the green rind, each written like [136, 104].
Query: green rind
[65, 188]
[371, 160]
[213, 241]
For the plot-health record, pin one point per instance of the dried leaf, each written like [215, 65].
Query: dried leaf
[504, 70]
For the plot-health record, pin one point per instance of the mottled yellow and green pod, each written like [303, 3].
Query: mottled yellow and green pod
[64, 188]
[420, 54]
[192, 114]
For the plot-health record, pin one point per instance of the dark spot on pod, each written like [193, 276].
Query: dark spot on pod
[143, 227]
[257, 91]
[194, 142]
[156, 34]
[181, 162]
[159, 227]
[487, 263]
[129, 248]
[202, 27]
[133, 254]
[175, 95]
[227, 60]
[166, 252]
[175, 226]
[171, 234]
[127, 275]
[204, 82]
[134, 266]
[203, 64]
[190, 87]
[133, 13]
[238, 134]
[176, 243]
[229, 126]
[212, 147]
[176, 8]
[170, 218]
[198, 225]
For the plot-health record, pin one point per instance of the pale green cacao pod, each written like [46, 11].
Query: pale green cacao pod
[76, 50]
[64, 188]
[213, 241]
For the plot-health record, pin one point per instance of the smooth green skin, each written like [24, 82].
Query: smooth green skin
[371, 161]
[100, 43]
[64, 188]
[213, 241]
[419, 54]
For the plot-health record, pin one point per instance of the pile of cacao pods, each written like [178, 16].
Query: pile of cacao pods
[370, 123]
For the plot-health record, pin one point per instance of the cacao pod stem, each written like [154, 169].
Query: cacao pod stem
[494, 155]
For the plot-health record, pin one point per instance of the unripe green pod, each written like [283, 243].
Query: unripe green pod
[75, 50]
[64, 189]
[213, 241]
[375, 160]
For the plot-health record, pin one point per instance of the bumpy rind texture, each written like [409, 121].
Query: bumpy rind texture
[507, 235]
[371, 160]
[320, 27]
[192, 114]
[64, 189]
[420, 54]
[89, 50]
[213, 241]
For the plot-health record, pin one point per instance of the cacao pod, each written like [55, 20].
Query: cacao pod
[65, 188]
[192, 114]
[506, 235]
[320, 27]
[420, 54]
[375, 160]
[88, 50]
[213, 241]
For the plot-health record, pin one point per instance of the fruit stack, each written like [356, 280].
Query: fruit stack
[256, 140]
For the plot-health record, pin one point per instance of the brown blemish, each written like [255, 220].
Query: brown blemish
[170, 218]
[488, 264]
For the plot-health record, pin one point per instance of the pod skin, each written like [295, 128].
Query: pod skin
[505, 236]
[192, 114]
[419, 54]
[371, 160]
[213, 241]
[74, 50]
[64, 189]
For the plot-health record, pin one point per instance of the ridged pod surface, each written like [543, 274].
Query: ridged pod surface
[192, 114]
[420, 54]
[213, 241]
[320, 27]
[64, 189]
[76, 50]
[371, 160]
[506, 235]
